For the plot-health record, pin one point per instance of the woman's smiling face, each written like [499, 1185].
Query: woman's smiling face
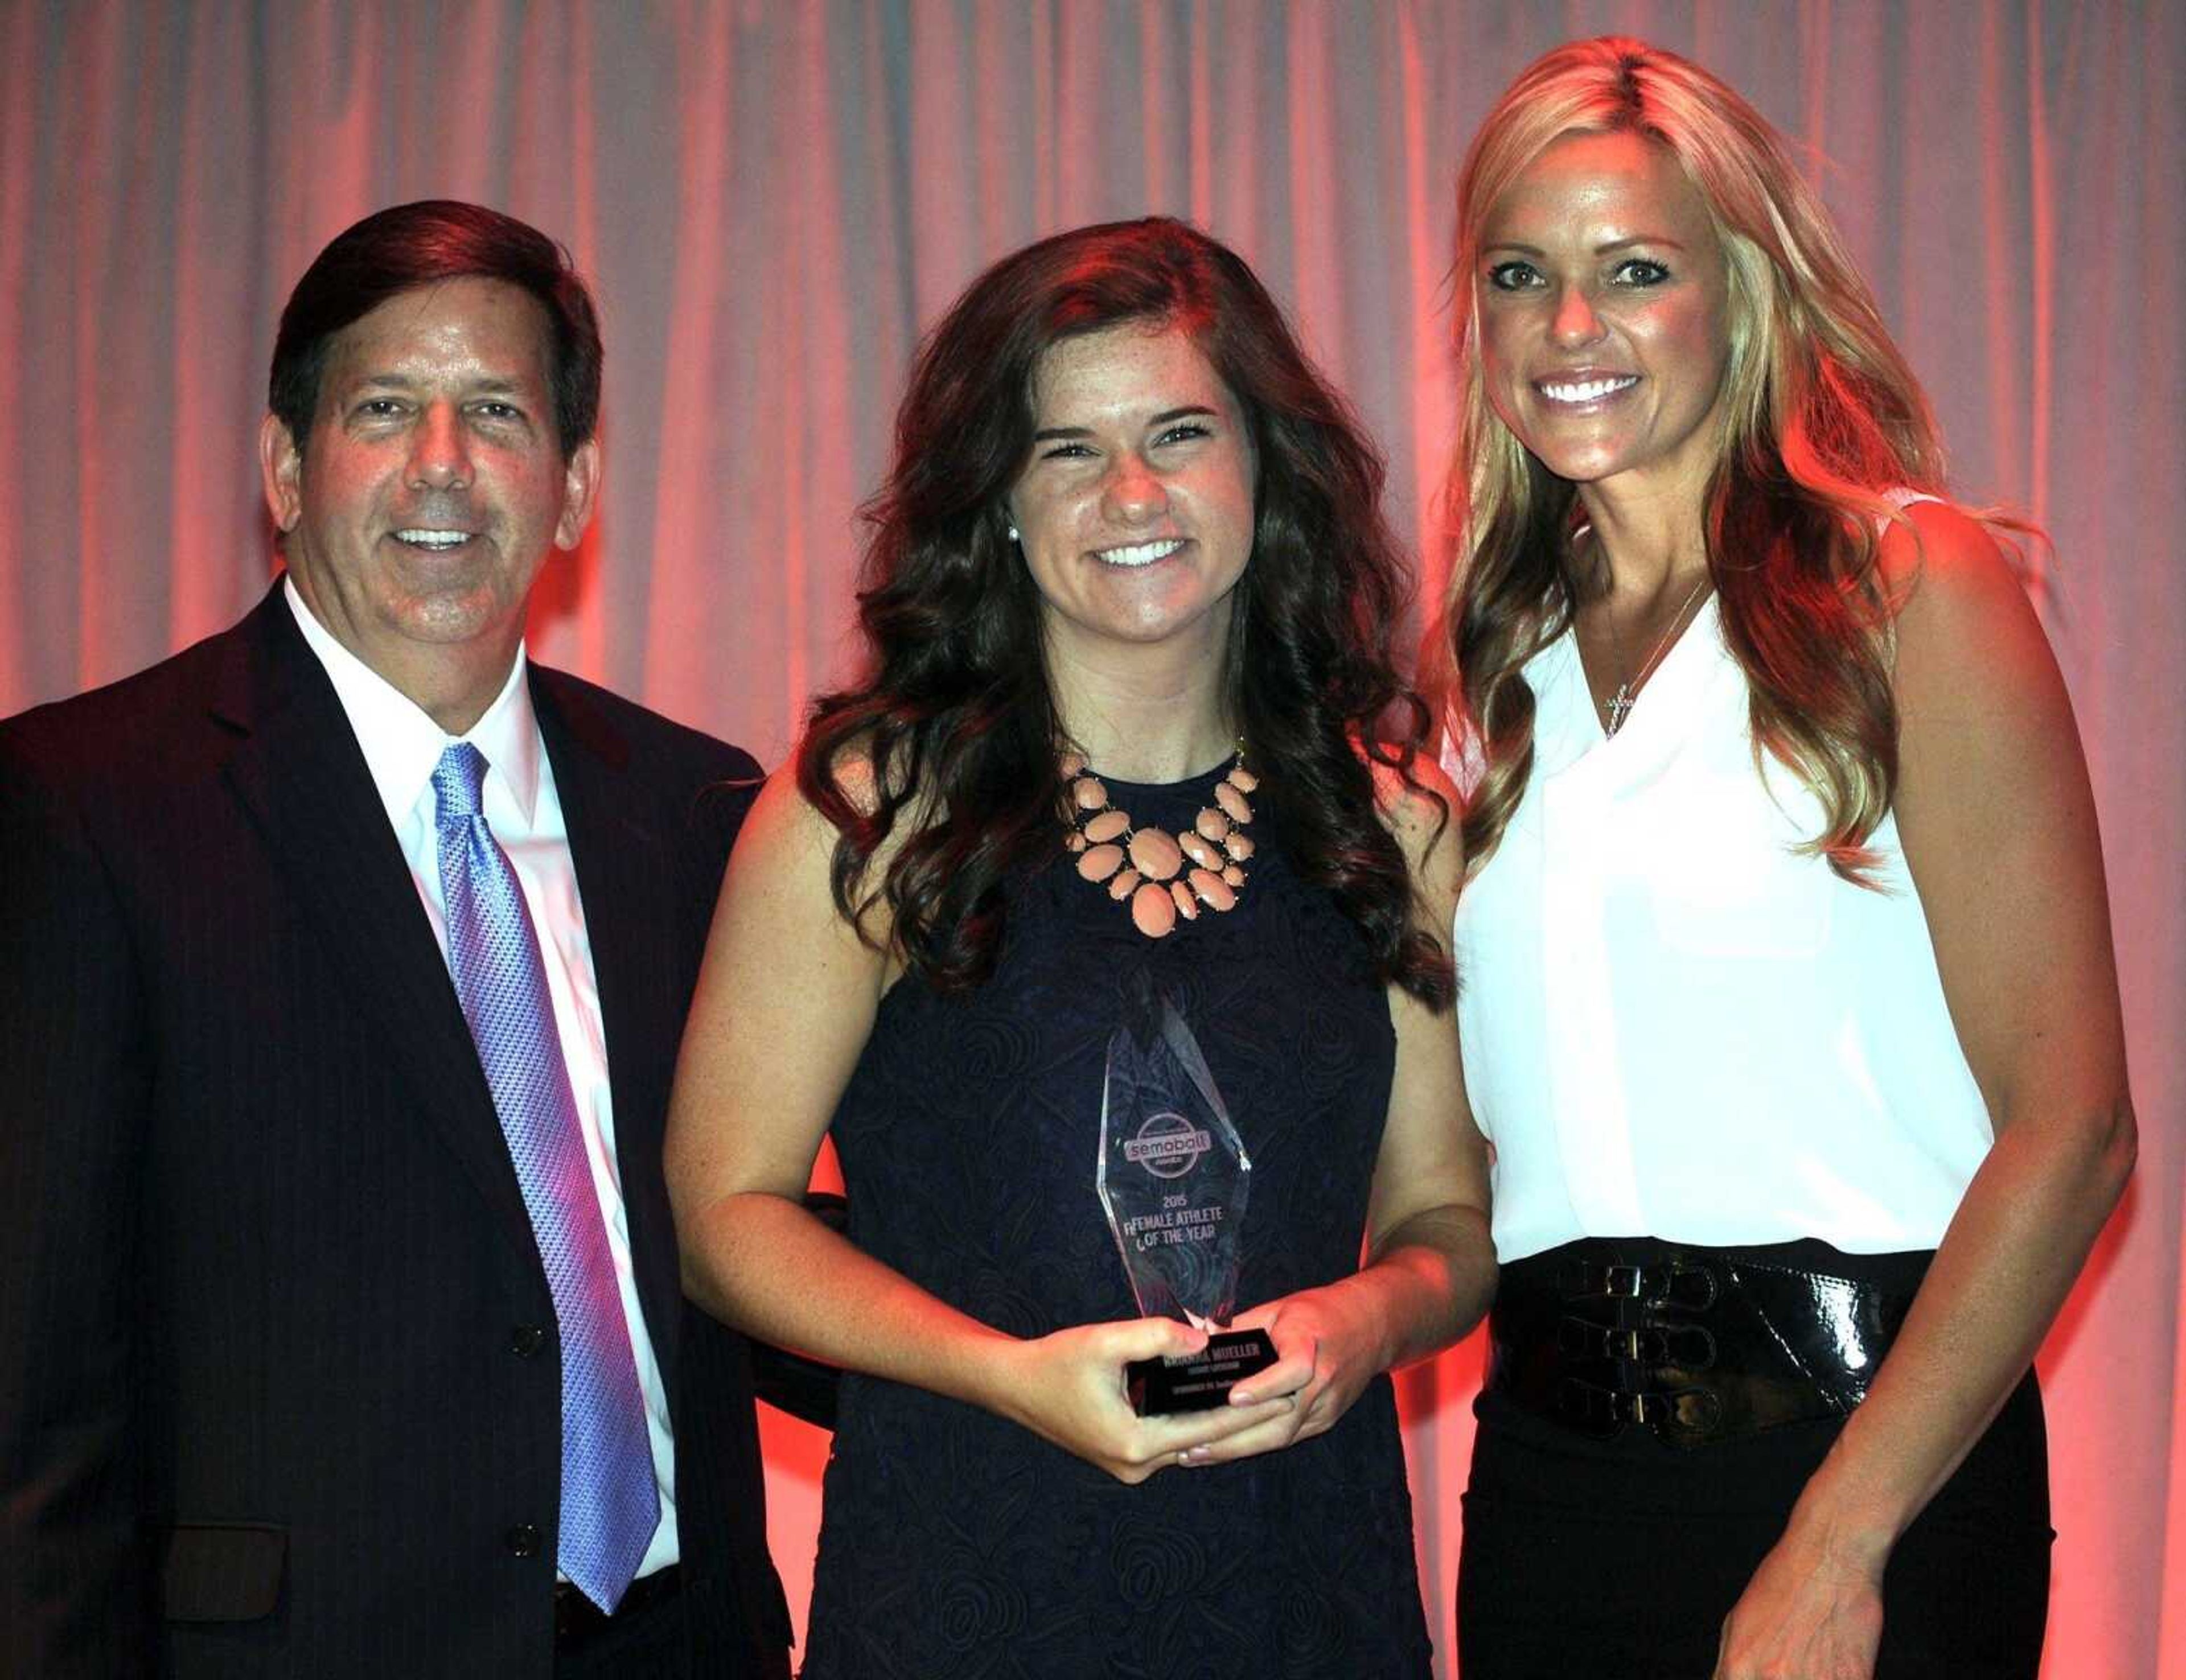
[1135, 507]
[1602, 293]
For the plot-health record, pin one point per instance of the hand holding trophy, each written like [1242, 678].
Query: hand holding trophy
[1172, 1176]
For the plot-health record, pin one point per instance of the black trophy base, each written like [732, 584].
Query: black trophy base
[1200, 1381]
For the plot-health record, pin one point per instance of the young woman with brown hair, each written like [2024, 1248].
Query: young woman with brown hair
[1129, 601]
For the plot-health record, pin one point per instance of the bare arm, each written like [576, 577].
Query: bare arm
[1430, 1270]
[784, 1005]
[1998, 828]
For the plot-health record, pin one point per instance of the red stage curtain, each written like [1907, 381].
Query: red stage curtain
[773, 198]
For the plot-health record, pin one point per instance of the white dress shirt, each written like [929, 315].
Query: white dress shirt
[401, 745]
[1678, 1025]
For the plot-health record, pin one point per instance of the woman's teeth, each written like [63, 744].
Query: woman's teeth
[1140, 553]
[1586, 390]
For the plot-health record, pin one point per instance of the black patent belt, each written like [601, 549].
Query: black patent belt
[1696, 1344]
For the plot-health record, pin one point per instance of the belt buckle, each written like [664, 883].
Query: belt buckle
[1652, 1342]
[1588, 1410]
[1685, 1347]
[1604, 1413]
[1579, 1338]
[1650, 1409]
[1689, 1287]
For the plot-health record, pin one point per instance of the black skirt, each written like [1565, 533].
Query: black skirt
[1624, 1557]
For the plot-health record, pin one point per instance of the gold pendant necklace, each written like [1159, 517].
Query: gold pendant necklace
[1162, 875]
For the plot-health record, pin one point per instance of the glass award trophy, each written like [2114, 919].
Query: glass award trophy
[1171, 1178]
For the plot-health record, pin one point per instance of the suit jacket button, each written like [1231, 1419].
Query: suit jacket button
[527, 1341]
[522, 1540]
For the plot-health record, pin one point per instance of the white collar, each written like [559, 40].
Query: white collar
[401, 742]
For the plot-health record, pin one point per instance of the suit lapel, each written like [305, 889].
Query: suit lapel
[628, 880]
[302, 777]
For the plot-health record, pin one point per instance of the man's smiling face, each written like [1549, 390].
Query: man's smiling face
[432, 485]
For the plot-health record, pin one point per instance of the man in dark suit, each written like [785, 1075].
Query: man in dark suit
[344, 959]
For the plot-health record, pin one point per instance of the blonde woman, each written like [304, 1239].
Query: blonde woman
[1789, 1003]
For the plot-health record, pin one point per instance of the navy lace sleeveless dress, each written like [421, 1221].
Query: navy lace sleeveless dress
[954, 1544]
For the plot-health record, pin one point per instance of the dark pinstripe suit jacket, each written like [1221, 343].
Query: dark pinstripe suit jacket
[274, 1394]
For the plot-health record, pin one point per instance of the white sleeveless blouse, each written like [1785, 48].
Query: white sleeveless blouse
[1675, 1025]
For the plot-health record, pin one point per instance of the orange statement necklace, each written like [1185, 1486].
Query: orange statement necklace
[1162, 875]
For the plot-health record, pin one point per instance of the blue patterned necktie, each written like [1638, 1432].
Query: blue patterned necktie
[609, 1504]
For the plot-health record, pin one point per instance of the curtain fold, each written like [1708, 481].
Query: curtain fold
[773, 200]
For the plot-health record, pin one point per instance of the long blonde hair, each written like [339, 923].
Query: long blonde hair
[1821, 417]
